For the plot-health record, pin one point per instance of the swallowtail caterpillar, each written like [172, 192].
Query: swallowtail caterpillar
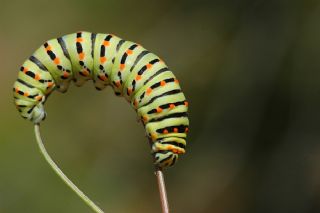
[133, 72]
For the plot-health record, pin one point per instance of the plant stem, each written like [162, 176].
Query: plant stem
[58, 171]
[162, 191]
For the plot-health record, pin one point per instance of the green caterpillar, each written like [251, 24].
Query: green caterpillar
[133, 72]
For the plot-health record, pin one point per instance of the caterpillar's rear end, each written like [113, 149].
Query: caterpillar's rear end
[132, 71]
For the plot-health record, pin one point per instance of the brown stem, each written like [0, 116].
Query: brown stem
[162, 191]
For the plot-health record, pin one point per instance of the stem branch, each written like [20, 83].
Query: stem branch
[58, 171]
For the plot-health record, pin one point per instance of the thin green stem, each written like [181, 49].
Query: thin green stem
[58, 171]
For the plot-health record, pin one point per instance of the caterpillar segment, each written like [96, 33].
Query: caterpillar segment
[133, 72]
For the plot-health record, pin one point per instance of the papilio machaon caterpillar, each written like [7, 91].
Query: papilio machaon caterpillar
[133, 72]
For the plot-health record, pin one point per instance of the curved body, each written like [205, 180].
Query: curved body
[133, 72]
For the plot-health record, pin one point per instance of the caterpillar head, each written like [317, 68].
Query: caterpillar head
[166, 151]
[164, 159]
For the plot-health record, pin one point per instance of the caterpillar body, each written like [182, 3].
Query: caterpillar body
[133, 72]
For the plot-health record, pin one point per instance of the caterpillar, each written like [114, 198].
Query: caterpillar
[133, 72]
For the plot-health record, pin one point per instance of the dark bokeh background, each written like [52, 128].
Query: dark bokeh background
[250, 70]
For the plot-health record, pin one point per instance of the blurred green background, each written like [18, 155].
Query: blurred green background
[250, 70]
